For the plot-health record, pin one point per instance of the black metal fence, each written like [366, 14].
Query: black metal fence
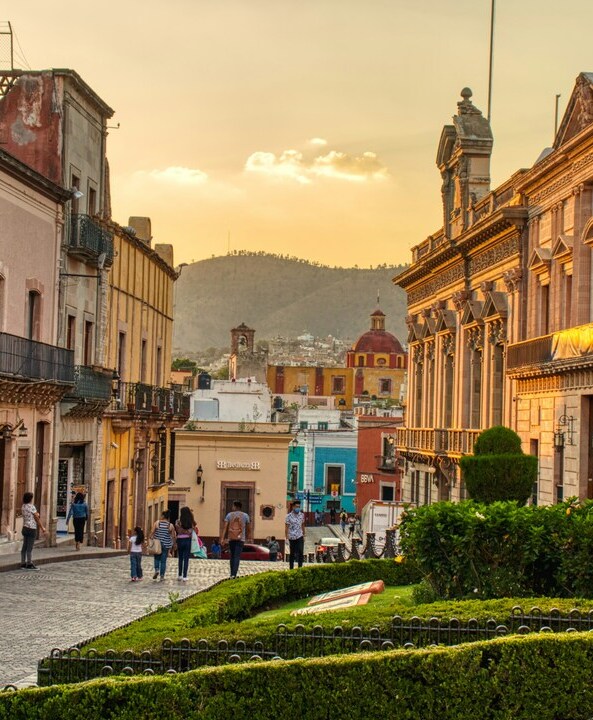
[21, 358]
[75, 665]
[143, 398]
[88, 239]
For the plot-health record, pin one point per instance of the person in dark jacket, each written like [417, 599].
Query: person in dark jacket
[79, 512]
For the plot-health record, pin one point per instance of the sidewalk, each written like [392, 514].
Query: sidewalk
[64, 552]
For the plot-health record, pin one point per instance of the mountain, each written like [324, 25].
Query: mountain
[278, 295]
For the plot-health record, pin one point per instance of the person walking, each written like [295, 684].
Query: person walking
[136, 548]
[79, 512]
[31, 521]
[235, 532]
[274, 547]
[351, 526]
[295, 534]
[215, 550]
[164, 531]
[343, 519]
[184, 528]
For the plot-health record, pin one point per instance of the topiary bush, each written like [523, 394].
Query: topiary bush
[499, 470]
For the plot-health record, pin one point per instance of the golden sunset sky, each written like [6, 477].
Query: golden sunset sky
[307, 127]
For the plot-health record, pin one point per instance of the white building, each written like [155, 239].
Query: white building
[241, 401]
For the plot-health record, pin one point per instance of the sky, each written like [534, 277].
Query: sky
[304, 127]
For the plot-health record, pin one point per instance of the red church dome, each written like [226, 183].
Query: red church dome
[378, 341]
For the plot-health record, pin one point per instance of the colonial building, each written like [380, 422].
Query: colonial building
[55, 123]
[378, 362]
[219, 462]
[466, 299]
[550, 359]
[34, 372]
[138, 445]
[378, 472]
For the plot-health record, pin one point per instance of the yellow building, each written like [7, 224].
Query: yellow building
[375, 369]
[219, 462]
[318, 381]
[139, 453]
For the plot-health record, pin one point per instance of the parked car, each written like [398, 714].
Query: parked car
[251, 552]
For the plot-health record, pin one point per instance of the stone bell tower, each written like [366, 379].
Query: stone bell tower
[463, 159]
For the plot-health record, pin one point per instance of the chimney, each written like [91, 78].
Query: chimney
[142, 227]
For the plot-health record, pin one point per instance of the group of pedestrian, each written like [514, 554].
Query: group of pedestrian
[163, 539]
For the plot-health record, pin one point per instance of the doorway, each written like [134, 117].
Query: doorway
[123, 512]
[109, 501]
[39, 456]
[244, 493]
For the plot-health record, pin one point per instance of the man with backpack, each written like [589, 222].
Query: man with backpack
[235, 531]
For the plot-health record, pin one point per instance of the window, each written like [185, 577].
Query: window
[121, 354]
[544, 309]
[338, 384]
[92, 206]
[361, 361]
[381, 361]
[387, 494]
[322, 426]
[75, 185]
[333, 479]
[88, 343]
[33, 313]
[293, 478]
[476, 389]
[567, 300]
[497, 384]
[159, 366]
[303, 425]
[385, 386]
[2, 300]
[143, 361]
[71, 332]
[448, 390]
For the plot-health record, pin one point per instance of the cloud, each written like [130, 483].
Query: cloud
[293, 165]
[343, 166]
[317, 141]
[290, 164]
[176, 175]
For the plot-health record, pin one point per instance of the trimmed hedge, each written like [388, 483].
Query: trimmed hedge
[501, 549]
[231, 601]
[537, 677]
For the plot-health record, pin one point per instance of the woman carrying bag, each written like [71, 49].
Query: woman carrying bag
[164, 532]
[185, 528]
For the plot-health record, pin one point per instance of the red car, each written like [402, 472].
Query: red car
[251, 552]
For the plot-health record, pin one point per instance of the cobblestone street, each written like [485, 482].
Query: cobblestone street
[65, 603]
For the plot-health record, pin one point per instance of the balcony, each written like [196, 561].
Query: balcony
[91, 384]
[23, 359]
[530, 352]
[386, 463]
[88, 240]
[142, 398]
[436, 441]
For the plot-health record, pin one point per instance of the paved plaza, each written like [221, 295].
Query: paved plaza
[65, 603]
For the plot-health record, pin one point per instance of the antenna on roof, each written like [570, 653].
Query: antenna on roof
[6, 46]
[490, 64]
[556, 117]
[378, 298]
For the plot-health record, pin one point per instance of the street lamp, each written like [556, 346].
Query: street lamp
[199, 473]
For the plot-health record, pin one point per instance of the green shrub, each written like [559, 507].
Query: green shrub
[501, 549]
[543, 677]
[489, 478]
[499, 470]
[498, 440]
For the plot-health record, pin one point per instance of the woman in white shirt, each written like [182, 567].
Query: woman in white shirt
[31, 521]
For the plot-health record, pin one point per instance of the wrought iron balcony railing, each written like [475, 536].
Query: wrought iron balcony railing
[91, 384]
[436, 440]
[386, 463]
[89, 240]
[21, 358]
[142, 398]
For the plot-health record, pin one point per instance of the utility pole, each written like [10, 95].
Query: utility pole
[556, 117]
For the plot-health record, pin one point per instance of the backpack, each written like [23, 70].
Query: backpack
[235, 531]
[274, 546]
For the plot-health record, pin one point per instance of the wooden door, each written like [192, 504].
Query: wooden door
[109, 537]
[123, 512]
[21, 478]
[39, 455]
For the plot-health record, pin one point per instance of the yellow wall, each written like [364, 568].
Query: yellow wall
[141, 306]
[297, 376]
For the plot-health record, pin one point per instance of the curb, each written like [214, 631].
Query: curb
[16, 565]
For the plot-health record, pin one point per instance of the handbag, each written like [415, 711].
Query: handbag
[154, 546]
[198, 549]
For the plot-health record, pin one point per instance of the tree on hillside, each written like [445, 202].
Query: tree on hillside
[185, 364]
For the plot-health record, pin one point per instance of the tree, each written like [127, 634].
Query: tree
[184, 364]
[499, 469]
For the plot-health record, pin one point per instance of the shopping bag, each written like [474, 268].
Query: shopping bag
[154, 546]
[198, 550]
